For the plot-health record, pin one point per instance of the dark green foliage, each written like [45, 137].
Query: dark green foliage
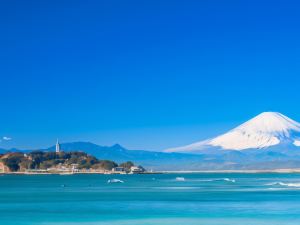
[45, 160]
[105, 164]
[127, 165]
[142, 168]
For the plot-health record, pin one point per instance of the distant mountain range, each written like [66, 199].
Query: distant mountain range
[268, 141]
[117, 153]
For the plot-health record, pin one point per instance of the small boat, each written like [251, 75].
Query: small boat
[180, 179]
[115, 181]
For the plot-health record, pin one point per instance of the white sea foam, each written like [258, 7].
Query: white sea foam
[223, 179]
[115, 181]
[214, 180]
[297, 185]
[229, 180]
[180, 179]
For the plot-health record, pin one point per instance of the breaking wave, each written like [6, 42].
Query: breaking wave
[218, 179]
[223, 179]
[297, 185]
[180, 179]
[229, 180]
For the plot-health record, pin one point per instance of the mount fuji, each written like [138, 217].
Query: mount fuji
[266, 142]
[268, 130]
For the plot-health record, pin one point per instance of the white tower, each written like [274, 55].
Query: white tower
[57, 147]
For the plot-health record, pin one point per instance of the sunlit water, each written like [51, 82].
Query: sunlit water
[191, 199]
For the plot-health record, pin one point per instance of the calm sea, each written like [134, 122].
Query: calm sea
[191, 199]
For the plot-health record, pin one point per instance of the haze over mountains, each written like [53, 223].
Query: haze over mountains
[268, 141]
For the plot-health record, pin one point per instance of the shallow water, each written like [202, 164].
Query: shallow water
[208, 199]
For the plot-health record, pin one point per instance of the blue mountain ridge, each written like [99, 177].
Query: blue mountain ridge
[216, 159]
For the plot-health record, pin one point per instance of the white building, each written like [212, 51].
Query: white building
[136, 169]
[57, 147]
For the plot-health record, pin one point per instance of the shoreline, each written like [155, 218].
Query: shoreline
[58, 173]
[296, 170]
[279, 171]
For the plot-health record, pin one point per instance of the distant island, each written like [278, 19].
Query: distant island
[61, 162]
[40, 162]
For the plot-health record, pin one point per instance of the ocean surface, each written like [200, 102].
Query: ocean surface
[166, 199]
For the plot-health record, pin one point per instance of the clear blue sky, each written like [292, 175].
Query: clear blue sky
[145, 74]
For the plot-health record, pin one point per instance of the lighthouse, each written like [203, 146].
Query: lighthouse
[57, 147]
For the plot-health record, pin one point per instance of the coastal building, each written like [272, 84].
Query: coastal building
[137, 169]
[118, 169]
[57, 147]
[75, 167]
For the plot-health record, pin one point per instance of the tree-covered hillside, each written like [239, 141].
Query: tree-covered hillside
[44, 160]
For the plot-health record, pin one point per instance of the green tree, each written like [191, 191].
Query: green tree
[106, 165]
[127, 165]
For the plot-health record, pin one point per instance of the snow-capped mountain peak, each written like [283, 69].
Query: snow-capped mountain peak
[265, 130]
[271, 123]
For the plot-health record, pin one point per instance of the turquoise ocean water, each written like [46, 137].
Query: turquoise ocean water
[201, 199]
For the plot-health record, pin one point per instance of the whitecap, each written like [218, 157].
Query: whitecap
[297, 185]
[229, 180]
[223, 179]
[115, 181]
[180, 179]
